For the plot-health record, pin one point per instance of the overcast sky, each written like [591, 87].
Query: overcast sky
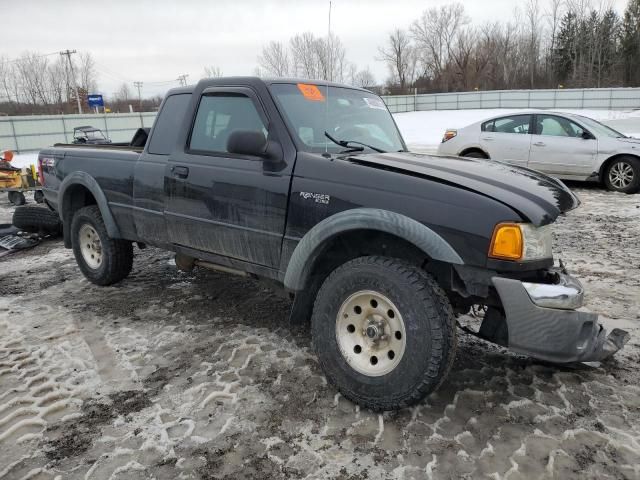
[157, 40]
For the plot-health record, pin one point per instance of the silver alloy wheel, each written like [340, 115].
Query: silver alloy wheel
[370, 333]
[90, 246]
[621, 175]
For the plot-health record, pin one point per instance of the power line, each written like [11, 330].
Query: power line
[16, 60]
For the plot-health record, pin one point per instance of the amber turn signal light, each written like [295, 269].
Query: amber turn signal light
[448, 135]
[507, 242]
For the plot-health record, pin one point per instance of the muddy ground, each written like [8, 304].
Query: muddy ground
[198, 376]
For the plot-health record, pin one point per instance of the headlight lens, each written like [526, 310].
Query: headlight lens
[521, 242]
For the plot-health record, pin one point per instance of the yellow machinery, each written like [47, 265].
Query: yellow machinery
[16, 181]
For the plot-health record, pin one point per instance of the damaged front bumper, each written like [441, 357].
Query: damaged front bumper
[542, 322]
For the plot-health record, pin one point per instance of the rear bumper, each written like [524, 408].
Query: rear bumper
[543, 323]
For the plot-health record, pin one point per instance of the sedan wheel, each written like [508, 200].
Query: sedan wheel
[623, 175]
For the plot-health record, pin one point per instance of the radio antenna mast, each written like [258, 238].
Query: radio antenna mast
[329, 75]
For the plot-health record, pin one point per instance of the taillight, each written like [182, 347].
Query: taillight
[448, 135]
[40, 171]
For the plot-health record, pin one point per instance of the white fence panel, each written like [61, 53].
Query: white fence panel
[595, 98]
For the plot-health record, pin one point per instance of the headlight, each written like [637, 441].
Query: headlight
[521, 242]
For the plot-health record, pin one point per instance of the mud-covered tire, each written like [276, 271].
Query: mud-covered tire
[116, 256]
[17, 198]
[428, 321]
[623, 175]
[39, 220]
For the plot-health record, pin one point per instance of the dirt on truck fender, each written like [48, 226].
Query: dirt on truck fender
[310, 186]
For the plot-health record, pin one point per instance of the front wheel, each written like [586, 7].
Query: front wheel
[623, 175]
[384, 332]
[103, 260]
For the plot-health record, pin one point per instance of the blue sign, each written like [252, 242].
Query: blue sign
[95, 101]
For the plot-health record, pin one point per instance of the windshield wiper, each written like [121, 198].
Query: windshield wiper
[349, 144]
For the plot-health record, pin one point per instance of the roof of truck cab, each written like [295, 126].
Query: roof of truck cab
[240, 81]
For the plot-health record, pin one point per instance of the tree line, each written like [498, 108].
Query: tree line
[553, 44]
[546, 44]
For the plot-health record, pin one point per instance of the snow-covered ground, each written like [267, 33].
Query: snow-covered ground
[170, 375]
[198, 376]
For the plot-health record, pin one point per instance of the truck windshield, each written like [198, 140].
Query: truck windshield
[348, 115]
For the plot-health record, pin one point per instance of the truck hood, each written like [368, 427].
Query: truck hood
[538, 198]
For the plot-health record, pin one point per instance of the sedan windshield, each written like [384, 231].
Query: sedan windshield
[600, 129]
[351, 117]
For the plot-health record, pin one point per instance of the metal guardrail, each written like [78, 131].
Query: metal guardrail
[30, 133]
[591, 98]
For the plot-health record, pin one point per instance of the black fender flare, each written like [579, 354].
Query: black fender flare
[393, 223]
[64, 205]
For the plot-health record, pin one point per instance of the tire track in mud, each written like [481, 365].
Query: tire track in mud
[217, 386]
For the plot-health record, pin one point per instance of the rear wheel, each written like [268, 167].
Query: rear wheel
[103, 260]
[384, 332]
[623, 175]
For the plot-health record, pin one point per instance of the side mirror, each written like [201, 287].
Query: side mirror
[247, 142]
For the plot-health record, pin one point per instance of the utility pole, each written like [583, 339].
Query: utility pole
[138, 85]
[183, 79]
[73, 77]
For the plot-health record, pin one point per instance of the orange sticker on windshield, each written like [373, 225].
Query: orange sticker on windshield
[311, 92]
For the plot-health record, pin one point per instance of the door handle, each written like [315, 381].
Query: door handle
[540, 144]
[488, 139]
[180, 172]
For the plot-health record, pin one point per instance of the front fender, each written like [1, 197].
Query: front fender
[311, 245]
[64, 206]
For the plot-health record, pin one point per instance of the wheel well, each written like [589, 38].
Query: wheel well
[473, 149]
[608, 161]
[361, 243]
[75, 198]
[353, 244]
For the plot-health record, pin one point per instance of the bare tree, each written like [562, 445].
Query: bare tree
[123, 94]
[435, 33]
[275, 59]
[212, 71]
[364, 79]
[400, 57]
[533, 17]
[86, 72]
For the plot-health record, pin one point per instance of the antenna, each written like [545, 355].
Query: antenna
[329, 74]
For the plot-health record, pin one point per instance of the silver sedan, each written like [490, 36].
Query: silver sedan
[567, 146]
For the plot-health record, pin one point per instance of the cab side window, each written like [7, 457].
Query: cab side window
[218, 117]
[514, 124]
[550, 125]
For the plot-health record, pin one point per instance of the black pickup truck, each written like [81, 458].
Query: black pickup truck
[310, 184]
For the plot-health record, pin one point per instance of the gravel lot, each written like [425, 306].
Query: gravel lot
[173, 375]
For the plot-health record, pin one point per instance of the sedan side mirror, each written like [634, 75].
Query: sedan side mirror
[247, 142]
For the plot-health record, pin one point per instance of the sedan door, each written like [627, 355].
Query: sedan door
[508, 139]
[562, 148]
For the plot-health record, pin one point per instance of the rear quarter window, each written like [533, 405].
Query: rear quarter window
[170, 120]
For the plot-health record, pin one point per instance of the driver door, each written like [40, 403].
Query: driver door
[224, 203]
